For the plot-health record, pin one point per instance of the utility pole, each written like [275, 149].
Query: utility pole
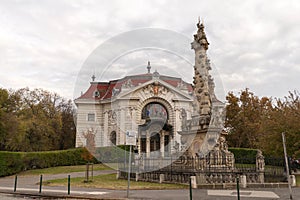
[287, 165]
[129, 169]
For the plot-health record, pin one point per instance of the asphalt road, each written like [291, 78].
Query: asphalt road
[28, 185]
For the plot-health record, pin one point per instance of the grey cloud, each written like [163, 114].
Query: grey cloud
[254, 43]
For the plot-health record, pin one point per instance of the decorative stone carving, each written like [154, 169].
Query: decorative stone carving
[260, 161]
[220, 157]
[129, 112]
[217, 117]
[202, 103]
[200, 37]
[181, 86]
[89, 134]
[115, 92]
[112, 117]
[176, 146]
[155, 90]
[183, 116]
[127, 85]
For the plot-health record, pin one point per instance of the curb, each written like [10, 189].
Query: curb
[28, 194]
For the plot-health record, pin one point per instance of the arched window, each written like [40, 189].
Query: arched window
[113, 137]
[154, 111]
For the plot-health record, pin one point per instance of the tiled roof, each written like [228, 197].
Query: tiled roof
[104, 90]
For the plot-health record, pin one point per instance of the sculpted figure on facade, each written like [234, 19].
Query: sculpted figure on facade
[183, 117]
[89, 135]
[128, 84]
[112, 117]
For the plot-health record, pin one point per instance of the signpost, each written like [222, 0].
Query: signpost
[130, 140]
[287, 166]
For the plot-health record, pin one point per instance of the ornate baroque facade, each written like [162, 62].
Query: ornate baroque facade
[162, 110]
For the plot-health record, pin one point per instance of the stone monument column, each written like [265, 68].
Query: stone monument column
[196, 128]
[201, 74]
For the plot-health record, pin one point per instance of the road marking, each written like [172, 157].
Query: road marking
[233, 193]
[57, 191]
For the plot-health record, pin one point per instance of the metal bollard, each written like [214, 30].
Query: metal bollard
[69, 184]
[16, 180]
[191, 191]
[41, 182]
[238, 186]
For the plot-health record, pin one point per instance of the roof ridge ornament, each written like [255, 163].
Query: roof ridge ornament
[93, 77]
[155, 75]
[149, 67]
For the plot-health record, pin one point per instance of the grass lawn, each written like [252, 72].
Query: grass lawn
[63, 169]
[109, 181]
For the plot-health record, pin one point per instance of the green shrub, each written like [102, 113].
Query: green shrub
[248, 156]
[243, 152]
[243, 155]
[15, 162]
[112, 154]
[10, 163]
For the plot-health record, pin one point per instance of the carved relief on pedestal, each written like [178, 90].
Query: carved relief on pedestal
[217, 118]
[219, 156]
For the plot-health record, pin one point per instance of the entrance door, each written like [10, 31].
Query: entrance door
[154, 142]
[143, 145]
[166, 144]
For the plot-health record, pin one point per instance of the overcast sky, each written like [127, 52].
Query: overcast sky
[254, 44]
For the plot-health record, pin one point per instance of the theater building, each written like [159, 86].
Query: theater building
[152, 105]
[149, 104]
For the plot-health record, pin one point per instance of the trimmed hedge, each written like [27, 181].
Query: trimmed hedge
[243, 152]
[112, 154]
[248, 156]
[243, 155]
[15, 162]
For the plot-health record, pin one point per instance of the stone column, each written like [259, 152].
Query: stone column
[139, 143]
[162, 144]
[243, 180]
[147, 144]
[105, 130]
[161, 178]
[194, 182]
[121, 122]
[293, 180]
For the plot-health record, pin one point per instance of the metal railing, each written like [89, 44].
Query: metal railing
[217, 169]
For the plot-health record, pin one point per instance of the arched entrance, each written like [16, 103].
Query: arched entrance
[154, 134]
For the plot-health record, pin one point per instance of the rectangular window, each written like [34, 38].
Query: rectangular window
[91, 117]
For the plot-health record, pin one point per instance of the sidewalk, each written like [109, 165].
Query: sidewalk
[29, 185]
